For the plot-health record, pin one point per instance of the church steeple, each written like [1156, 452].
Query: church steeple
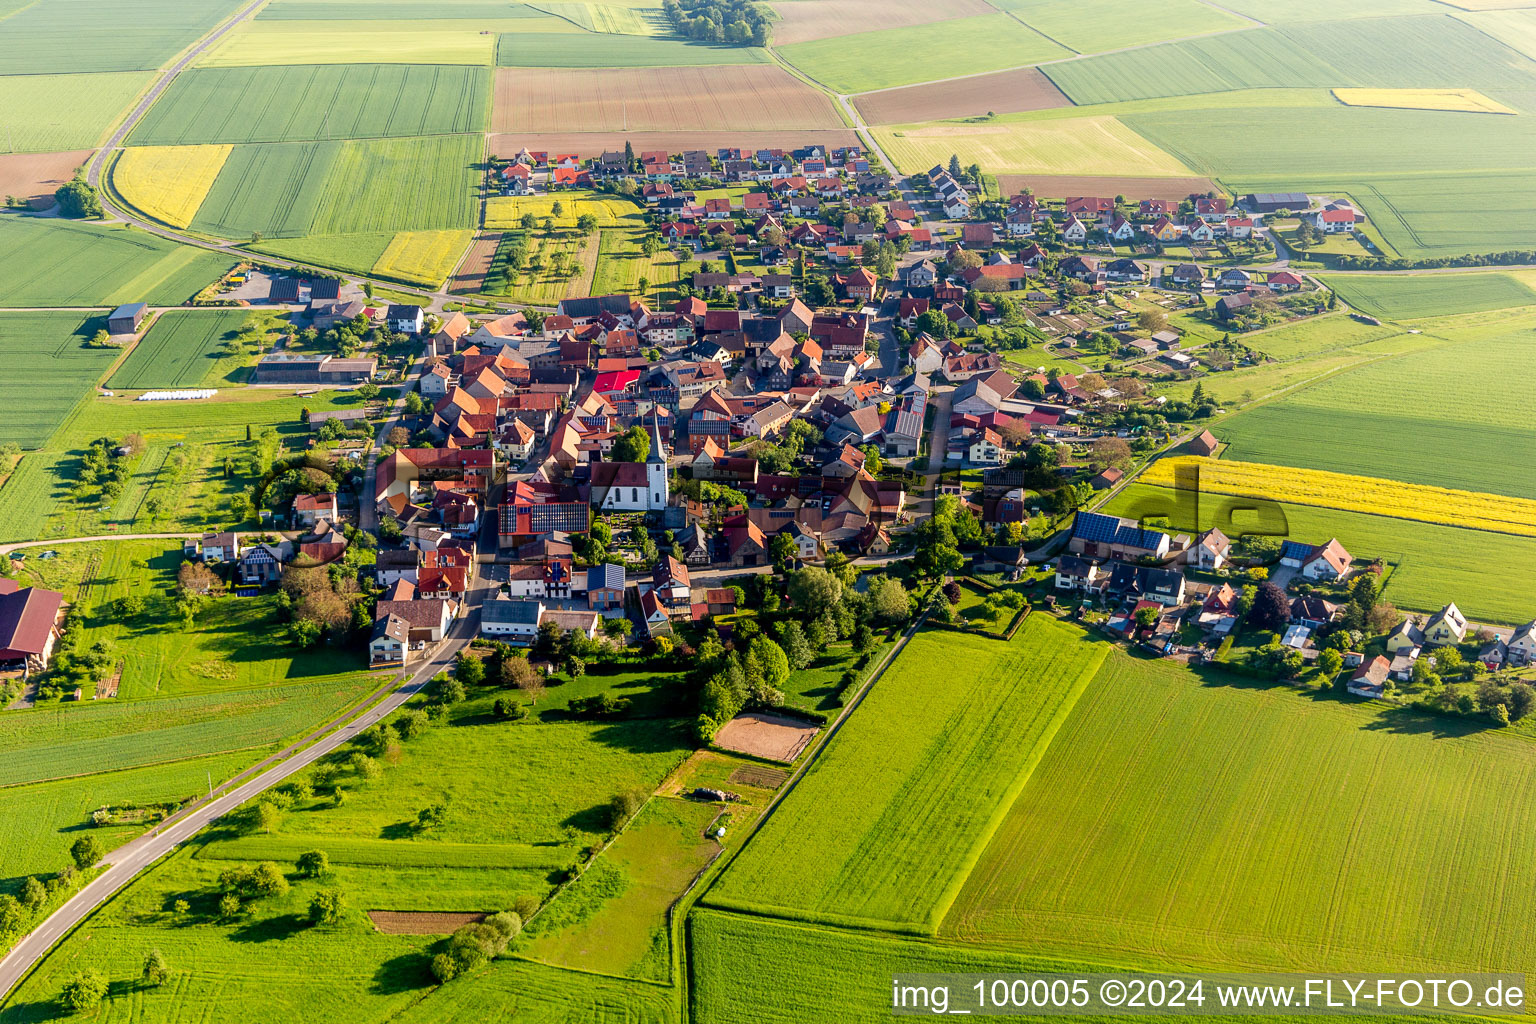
[658, 454]
[658, 486]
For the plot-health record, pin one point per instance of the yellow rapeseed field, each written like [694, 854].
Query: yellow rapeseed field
[1471, 509]
[1468, 101]
[423, 257]
[169, 182]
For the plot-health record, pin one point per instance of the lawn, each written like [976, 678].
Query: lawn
[890, 777]
[1202, 790]
[1491, 576]
[48, 369]
[1456, 416]
[309, 103]
[168, 183]
[1090, 26]
[817, 686]
[946, 49]
[64, 263]
[285, 190]
[53, 36]
[1097, 145]
[49, 113]
[1397, 297]
[577, 49]
[613, 920]
[184, 349]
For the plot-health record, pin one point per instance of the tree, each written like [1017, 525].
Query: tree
[1111, 452]
[1146, 617]
[431, 817]
[304, 632]
[773, 662]
[515, 671]
[952, 592]
[313, 864]
[156, 971]
[814, 590]
[411, 724]
[33, 893]
[1152, 320]
[954, 166]
[1500, 714]
[229, 906]
[368, 391]
[1270, 608]
[558, 209]
[634, 445]
[624, 806]
[887, 600]
[509, 708]
[364, 767]
[268, 816]
[77, 199]
[84, 991]
[1329, 662]
[85, 852]
[782, 551]
[326, 906]
[586, 223]
[267, 881]
[10, 913]
[796, 647]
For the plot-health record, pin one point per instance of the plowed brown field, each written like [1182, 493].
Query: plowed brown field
[804, 20]
[477, 263]
[750, 96]
[406, 922]
[1006, 92]
[25, 175]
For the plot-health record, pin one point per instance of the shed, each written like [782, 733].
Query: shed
[125, 319]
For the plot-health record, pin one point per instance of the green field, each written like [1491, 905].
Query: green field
[306, 103]
[945, 49]
[1488, 575]
[394, 10]
[880, 868]
[285, 190]
[83, 739]
[1435, 51]
[358, 252]
[1406, 298]
[1317, 335]
[1455, 417]
[576, 49]
[51, 113]
[1090, 26]
[182, 350]
[1202, 790]
[48, 369]
[53, 36]
[63, 263]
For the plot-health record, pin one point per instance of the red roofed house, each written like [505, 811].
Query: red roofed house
[1333, 220]
[27, 618]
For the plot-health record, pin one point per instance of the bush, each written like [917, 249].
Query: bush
[84, 991]
[326, 906]
[313, 864]
[85, 852]
[509, 708]
[624, 806]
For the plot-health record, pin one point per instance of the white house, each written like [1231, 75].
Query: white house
[1210, 551]
[514, 619]
[1075, 231]
[406, 319]
[1073, 573]
[1522, 645]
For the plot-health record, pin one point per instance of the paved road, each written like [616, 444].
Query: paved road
[367, 511]
[128, 861]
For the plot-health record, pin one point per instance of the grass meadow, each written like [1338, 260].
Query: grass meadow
[946, 49]
[49, 113]
[1399, 297]
[185, 348]
[316, 102]
[1203, 789]
[63, 263]
[1456, 415]
[182, 467]
[1488, 575]
[48, 369]
[880, 868]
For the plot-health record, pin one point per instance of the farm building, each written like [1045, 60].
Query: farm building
[27, 618]
[125, 319]
[280, 368]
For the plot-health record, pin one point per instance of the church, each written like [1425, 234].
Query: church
[632, 486]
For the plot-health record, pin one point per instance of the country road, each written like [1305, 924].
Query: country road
[128, 861]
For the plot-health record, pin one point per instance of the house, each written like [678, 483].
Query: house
[1074, 573]
[1203, 443]
[573, 619]
[1522, 645]
[656, 616]
[1332, 220]
[309, 508]
[1218, 612]
[1406, 637]
[1102, 536]
[1210, 551]
[1075, 232]
[1189, 275]
[1107, 478]
[126, 319]
[261, 564]
[1445, 627]
[220, 547]
[427, 621]
[632, 486]
[390, 643]
[1145, 583]
[605, 587]
[28, 616]
[669, 582]
[1008, 559]
[922, 274]
[1285, 281]
[1494, 654]
[514, 619]
[1324, 562]
[1370, 679]
[1312, 612]
[406, 319]
[315, 370]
